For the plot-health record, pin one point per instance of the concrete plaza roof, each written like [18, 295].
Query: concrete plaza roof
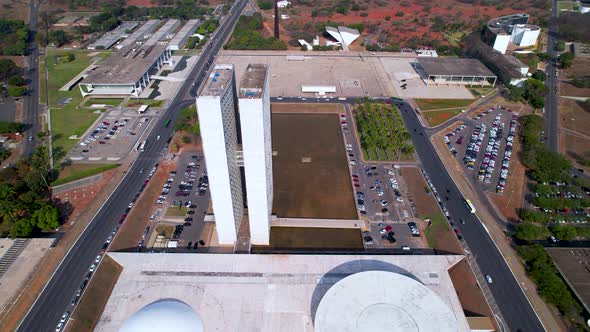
[454, 67]
[276, 292]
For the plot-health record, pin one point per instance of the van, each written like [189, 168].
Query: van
[406, 248]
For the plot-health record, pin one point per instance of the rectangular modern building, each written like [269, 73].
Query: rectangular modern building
[216, 109]
[254, 106]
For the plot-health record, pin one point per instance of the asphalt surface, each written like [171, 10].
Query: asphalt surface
[31, 100]
[551, 111]
[57, 295]
[516, 311]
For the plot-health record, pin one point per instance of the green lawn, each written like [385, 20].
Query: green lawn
[480, 91]
[435, 104]
[42, 82]
[439, 225]
[567, 5]
[139, 102]
[435, 118]
[67, 119]
[107, 101]
[79, 171]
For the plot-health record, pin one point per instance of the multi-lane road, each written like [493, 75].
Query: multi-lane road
[551, 111]
[31, 100]
[56, 296]
[517, 312]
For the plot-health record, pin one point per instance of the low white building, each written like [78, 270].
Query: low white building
[283, 3]
[319, 89]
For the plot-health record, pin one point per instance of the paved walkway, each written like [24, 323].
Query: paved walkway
[545, 313]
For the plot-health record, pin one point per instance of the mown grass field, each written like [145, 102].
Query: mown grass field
[79, 171]
[436, 104]
[66, 118]
[106, 101]
[140, 102]
[435, 118]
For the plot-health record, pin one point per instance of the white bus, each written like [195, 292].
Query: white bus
[141, 146]
[469, 206]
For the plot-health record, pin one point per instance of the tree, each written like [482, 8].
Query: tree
[57, 37]
[560, 46]
[8, 69]
[22, 228]
[566, 60]
[16, 80]
[70, 57]
[564, 232]
[265, 5]
[16, 91]
[46, 217]
[530, 231]
[539, 75]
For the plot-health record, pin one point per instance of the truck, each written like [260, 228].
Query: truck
[142, 109]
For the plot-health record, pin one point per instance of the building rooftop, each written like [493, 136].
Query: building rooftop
[574, 266]
[504, 24]
[126, 66]
[253, 81]
[143, 30]
[218, 80]
[188, 28]
[110, 38]
[288, 292]
[167, 28]
[454, 67]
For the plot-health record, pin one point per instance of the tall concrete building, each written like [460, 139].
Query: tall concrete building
[225, 150]
[254, 106]
[216, 108]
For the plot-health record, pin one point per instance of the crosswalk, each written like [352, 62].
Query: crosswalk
[12, 254]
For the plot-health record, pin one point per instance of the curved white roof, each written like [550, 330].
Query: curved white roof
[164, 315]
[382, 301]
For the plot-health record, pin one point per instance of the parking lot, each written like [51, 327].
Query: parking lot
[381, 196]
[184, 199]
[112, 137]
[484, 146]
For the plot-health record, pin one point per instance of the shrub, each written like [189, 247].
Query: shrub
[399, 14]
[265, 5]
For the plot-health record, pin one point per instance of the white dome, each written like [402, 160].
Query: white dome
[382, 301]
[164, 315]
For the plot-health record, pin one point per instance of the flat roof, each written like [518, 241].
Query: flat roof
[146, 28]
[126, 66]
[232, 292]
[454, 67]
[187, 29]
[216, 83]
[253, 81]
[504, 24]
[574, 266]
[109, 38]
[163, 31]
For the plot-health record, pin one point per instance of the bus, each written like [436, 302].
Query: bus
[141, 146]
[469, 206]
[167, 123]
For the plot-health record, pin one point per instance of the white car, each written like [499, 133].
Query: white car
[382, 231]
[64, 317]
[59, 327]
[97, 259]
[92, 268]
[489, 279]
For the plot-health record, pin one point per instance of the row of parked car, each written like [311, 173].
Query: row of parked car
[507, 155]
[488, 164]
[447, 139]
[474, 146]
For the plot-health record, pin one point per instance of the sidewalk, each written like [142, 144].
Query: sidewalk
[545, 313]
[46, 267]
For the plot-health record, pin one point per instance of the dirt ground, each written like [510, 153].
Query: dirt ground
[425, 203]
[580, 69]
[468, 291]
[307, 108]
[14, 10]
[95, 297]
[315, 238]
[81, 205]
[310, 168]
[511, 201]
[575, 132]
[434, 118]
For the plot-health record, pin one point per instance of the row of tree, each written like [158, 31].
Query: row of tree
[25, 197]
[382, 131]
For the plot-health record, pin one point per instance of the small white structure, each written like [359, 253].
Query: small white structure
[501, 42]
[429, 53]
[316, 41]
[514, 29]
[283, 3]
[343, 35]
[319, 89]
[302, 42]
[525, 35]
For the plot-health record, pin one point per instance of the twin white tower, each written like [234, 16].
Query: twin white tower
[232, 139]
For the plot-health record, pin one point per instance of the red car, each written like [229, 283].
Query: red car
[457, 231]
[343, 122]
[355, 180]
[388, 228]
[356, 185]
[123, 216]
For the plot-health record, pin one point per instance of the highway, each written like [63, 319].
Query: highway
[55, 299]
[31, 100]
[551, 111]
[516, 311]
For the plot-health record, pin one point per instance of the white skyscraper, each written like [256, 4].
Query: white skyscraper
[254, 106]
[216, 108]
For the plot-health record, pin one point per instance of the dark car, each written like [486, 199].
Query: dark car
[188, 219]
